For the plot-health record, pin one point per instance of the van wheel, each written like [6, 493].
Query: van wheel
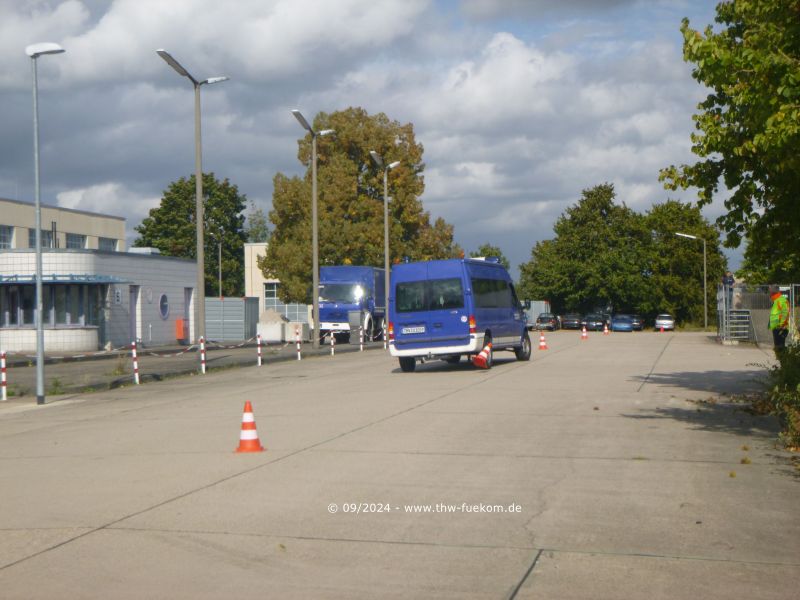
[524, 351]
[407, 364]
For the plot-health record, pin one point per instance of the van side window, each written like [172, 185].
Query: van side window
[433, 294]
[492, 293]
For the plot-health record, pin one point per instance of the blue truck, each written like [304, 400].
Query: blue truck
[351, 297]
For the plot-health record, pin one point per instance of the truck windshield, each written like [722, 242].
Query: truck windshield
[340, 292]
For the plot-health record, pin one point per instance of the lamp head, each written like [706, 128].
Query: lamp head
[393, 165]
[376, 157]
[37, 50]
[302, 120]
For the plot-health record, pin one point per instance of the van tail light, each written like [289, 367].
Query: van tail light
[390, 330]
[473, 328]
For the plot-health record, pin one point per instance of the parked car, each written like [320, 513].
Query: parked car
[571, 321]
[665, 321]
[594, 322]
[638, 322]
[547, 321]
[622, 322]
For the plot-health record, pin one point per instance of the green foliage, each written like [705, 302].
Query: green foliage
[489, 250]
[604, 254]
[257, 229]
[748, 128]
[171, 229]
[350, 203]
[784, 394]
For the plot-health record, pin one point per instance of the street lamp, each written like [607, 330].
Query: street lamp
[379, 161]
[35, 51]
[314, 224]
[705, 277]
[198, 176]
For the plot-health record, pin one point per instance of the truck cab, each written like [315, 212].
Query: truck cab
[351, 297]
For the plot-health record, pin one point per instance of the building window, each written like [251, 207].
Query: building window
[270, 293]
[76, 241]
[47, 238]
[6, 236]
[65, 305]
[163, 306]
[107, 244]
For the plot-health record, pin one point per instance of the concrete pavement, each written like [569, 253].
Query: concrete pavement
[622, 453]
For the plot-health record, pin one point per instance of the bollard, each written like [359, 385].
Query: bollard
[203, 356]
[361, 338]
[385, 343]
[4, 396]
[333, 344]
[258, 338]
[135, 363]
[297, 339]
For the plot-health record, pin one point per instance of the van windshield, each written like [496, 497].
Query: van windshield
[431, 294]
[340, 292]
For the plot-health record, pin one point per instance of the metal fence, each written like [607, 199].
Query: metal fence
[296, 313]
[743, 311]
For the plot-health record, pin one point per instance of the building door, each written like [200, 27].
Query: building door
[134, 307]
[187, 312]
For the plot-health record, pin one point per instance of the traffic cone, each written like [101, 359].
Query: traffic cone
[605, 329]
[542, 342]
[482, 360]
[248, 440]
[662, 329]
[584, 335]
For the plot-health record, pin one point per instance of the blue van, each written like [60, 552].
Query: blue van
[449, 308]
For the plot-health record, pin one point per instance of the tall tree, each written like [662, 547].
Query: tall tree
[607, 254]
[350, 203]
[676, 264]
[490, 250]
[748, 128]
[257, 228]
[171, 229]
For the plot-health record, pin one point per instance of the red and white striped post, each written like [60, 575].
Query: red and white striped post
[258, 338]
[203, 356]
[333, 344]
[135, 363]
[361, 338]
[385, 343]
[3, 383]
[297, 340]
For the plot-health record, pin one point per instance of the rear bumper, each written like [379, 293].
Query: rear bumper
[470, 348]
[334, 326]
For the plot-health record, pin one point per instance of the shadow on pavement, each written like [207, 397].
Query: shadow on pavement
[729, 383]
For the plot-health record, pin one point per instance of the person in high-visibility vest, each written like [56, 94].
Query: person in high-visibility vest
[778, 317]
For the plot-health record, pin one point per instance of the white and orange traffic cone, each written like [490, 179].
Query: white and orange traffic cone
[662, 329]
[248, 440]
[482, 360]
[584, 335]
[542, 342]
[605, 329]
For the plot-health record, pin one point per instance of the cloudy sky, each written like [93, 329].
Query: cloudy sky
[520, 104]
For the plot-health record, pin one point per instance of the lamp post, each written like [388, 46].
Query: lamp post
[314, 224]
[198, 176]
[705, 277]
[219, 259]
[379, 161]
[35, 51]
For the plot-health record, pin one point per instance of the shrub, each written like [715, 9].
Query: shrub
[784, 393]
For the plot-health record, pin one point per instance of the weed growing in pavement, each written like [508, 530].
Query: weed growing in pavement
[122, 366]
[745, 461]
[55, 387]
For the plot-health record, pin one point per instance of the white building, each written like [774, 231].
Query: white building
[94, 293]
[266, 289]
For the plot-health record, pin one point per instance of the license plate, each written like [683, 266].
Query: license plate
[413, 329]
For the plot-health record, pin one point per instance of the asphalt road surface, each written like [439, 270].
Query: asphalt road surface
[617, 467]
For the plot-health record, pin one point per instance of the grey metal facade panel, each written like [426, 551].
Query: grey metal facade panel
[231, 319]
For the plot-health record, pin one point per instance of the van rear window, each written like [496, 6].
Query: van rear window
[430, 294]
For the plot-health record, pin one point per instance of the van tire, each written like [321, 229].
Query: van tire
[524, 351]
[407, 364]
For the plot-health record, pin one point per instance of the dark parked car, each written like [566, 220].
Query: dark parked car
[622, 323]
[571, 321]
[547, 321]
[594, 322]
[638, 322]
